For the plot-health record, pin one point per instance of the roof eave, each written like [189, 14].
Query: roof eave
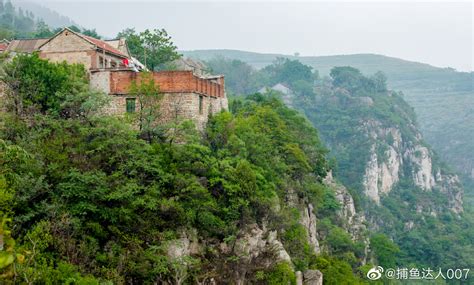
[109, 52]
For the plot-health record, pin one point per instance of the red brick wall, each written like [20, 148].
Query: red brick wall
[169, 82]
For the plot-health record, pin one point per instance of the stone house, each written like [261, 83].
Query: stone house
[187, 93]
[73, 47]
[184, 94]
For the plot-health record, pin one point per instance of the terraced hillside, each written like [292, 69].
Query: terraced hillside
[442, 97]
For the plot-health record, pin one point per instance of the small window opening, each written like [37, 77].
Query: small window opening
[130, 105]
[200, 105]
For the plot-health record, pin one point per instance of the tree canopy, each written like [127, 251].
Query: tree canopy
[154, 48]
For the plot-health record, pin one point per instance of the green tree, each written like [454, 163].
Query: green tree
[37, 84]
[380, 81]
[91, 33]
[240, 76]
[42, 30]
[154, 48]
[351, 79]
[148, 95]
[289, 71]
[75, 28]
[386, 251]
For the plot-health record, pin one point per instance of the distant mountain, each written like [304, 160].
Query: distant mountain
[50, 17]
[443, 98]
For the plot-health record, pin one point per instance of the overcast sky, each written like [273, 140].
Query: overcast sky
[438, 33]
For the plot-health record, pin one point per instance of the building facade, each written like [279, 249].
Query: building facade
[73, 47]
[185, 94]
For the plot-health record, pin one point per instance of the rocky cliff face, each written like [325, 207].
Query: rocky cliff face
[257, 247]
[307, 218]
[393, 157]
[353, 221]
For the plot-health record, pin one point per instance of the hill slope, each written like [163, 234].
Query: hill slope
[50, 17]
[442, 97]
[398, 182]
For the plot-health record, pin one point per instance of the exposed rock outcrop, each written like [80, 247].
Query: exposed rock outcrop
[422, 172]
[308, 220]
[382, 170]
[353, 222]
[186, 245]
[312, 277]
[309, 277]
[256, 241]
[391, 156]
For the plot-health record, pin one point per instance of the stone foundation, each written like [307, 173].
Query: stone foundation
[175, 107]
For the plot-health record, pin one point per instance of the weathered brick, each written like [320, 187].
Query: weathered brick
[181, 91]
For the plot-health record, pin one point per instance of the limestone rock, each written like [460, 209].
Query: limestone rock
[186, 245]
[256, 241]
[366, 101]
[299, 278]
[420, 157]
[371, 178]
[308, 220]
[353, 221]
[178, 248]
[384, 170]
[313, 277]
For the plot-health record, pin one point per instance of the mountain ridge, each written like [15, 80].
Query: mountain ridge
[225, 52]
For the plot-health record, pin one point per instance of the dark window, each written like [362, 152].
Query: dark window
[130, 105]
[200, 105]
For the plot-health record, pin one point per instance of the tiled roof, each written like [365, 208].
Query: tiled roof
[25, 45]
[103, 45]
[119, 44]
[3, 46]
[31, 45]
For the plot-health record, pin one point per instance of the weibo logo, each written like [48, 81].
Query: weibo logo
[375, 273]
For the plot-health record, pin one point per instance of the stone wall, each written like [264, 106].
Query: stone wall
[66, 42]
[179, 106]
[181, 92]
[175, 107]
[117, 105]
[69, 47]
[100, 81]
[80, 57]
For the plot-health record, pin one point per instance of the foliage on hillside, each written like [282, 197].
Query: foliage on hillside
[50, 17]
[84, 199]
[442, 97]
[338, 109]
[242, 79]
[16, 22]
[337, 106]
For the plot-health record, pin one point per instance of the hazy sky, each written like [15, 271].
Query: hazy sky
[437, 33]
